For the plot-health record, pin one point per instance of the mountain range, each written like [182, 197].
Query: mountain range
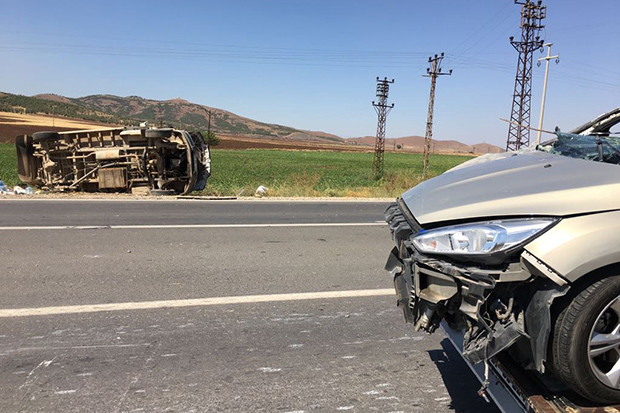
[180, 113]
[416, 144]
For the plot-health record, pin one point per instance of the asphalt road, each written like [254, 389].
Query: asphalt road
[143, 212]
[98, 318]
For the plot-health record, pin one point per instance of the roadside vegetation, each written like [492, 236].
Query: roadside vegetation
[297, 173]
[211, 138]
[8, 164]
[317, 173]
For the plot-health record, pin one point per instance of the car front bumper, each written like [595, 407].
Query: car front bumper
[491, 305]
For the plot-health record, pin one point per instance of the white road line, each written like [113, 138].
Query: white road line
[22, 349]
[189, 226]
[193, 302]
[238, 200]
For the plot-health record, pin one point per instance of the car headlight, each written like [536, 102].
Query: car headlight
[480, 238]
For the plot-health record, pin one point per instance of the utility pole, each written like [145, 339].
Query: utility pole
[433, 72]
[542, 105]
[209, 126]
[382, 109]
[532, 15]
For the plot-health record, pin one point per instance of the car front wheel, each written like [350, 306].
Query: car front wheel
[586, 342]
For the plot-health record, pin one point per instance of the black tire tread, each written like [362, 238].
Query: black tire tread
[564, 342]
[44, 136]
[563, 334]
[158, 133]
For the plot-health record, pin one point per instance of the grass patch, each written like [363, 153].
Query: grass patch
[318, 173]
[8, 164]
[297, 173]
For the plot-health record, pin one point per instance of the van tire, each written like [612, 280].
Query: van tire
[158, 133]
[45, 136]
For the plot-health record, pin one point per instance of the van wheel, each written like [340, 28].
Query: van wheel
[586, 342]
[45, 136]
[158, 133]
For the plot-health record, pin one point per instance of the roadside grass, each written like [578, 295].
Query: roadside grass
[318, 173]
[8, 164]
[297, 173]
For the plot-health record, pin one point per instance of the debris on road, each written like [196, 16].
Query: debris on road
[18, 190]
[261, 191]
[4, 190]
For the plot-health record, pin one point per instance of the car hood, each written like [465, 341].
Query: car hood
[525, 184]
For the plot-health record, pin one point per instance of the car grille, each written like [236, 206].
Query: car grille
[401, 222]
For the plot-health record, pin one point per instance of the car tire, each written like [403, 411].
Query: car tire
[158, 133]
[586, 342]
[45, 136]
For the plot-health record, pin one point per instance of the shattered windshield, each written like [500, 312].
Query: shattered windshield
[594, 148]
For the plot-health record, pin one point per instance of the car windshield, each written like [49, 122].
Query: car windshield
[594, 148]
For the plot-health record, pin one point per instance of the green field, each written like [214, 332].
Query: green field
[297, 173]
[8, 164]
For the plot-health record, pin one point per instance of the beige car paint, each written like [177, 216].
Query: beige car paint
[528, 184]
[576, 246]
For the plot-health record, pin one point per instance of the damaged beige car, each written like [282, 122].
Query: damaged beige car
[162, 161]
[520, 256]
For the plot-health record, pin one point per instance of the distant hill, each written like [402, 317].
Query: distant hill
[132, 110]
[55, 105]
[416, 144]
[179, 113]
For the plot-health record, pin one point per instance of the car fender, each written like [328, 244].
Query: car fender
[579, 245]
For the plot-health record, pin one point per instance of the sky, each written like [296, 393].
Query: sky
[312, 64]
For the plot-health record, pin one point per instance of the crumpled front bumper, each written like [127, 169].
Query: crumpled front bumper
[428, 288]
[490, 304]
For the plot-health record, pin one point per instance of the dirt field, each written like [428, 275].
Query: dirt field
[14, 124]
[237, 142]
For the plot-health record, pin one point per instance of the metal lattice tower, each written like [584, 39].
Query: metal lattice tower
[433, 71]
[532, 15]
[382, 108]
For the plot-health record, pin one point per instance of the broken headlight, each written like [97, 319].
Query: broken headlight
[480, 238]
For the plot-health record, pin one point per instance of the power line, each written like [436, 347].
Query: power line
[241, 51]
[328, 60]
[304, 57]
[573, 76]
[476, 37]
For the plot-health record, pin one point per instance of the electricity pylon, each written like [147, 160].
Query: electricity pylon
[382, 108]
[532, 15]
